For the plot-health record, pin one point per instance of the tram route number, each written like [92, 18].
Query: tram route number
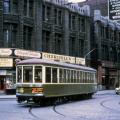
[37, 90]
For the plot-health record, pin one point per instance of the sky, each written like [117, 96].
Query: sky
[74, 1]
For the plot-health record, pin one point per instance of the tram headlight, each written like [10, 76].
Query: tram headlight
[20, 90]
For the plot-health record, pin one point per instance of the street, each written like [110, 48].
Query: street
[105, 105]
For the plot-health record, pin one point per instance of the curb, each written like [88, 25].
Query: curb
[7, 96]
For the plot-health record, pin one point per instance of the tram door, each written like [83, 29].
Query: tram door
[1, 83]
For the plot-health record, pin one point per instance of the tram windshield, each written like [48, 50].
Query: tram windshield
[25, 74]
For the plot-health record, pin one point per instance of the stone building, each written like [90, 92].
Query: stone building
[107, 44]
[101, 5]
[53, 26]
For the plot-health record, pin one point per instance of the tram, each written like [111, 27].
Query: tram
[40, 79]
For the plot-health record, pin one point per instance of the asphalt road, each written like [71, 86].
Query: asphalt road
[105, 105]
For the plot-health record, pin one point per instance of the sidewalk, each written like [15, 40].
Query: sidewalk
[5, 96]
[105, 92]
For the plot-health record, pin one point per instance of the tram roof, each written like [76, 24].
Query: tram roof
[55, 63]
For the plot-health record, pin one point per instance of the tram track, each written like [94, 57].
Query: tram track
[67, 116]
[103, 104]
[35, 117]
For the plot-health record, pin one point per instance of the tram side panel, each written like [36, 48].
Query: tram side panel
[54, 90]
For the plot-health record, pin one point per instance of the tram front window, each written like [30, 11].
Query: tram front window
[38, 74]
[27, 74]
[19, 74]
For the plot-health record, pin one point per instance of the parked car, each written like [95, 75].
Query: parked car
[117, 90]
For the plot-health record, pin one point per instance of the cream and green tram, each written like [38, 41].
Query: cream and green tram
[40, 79]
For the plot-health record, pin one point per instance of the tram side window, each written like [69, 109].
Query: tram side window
[38, 74]
[92, 77]
[64, 79]
[78, 79]
[68, 76]
[48, 75]
[61, 74]
[83, 77]
[80, 76]
[27, 74]
[19, 74]
[86, 77]
[72, 76]
[89, 77]
[54, 75]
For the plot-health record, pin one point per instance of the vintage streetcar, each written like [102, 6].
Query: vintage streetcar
[41, 80]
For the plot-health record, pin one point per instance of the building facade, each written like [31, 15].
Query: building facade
[45, 25]
[101, 5]
[105, 40]
[53, 26]
[107, 44]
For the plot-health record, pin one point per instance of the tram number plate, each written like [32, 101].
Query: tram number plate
[36, 90]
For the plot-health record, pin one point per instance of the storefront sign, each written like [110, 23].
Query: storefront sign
[114, 9]
[56, 57]
[27, 54]
[63, 58]
[6, 62]
[80, 61]
[5, 52]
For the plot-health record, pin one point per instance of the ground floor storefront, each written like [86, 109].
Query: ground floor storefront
[8, 59]
[108, 75]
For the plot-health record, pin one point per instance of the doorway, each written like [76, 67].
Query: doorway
[1, 83]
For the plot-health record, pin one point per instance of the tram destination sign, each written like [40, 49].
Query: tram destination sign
[114, 9]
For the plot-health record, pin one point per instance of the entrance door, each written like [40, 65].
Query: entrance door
[1, 83]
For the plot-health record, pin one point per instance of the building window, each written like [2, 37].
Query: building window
[73, 22]
[15, 6]
[10, 35]
[28, 8]
[82, 25]
[27, 38]
[10, 6]
[80, 47]
[57, 16]
[46, 41]
[58, 42]
[46, 13]
[72, 46]
[70, 21]
[6, 6]
[43, 12]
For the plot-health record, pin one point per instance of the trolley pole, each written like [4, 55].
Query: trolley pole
[88, 54]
